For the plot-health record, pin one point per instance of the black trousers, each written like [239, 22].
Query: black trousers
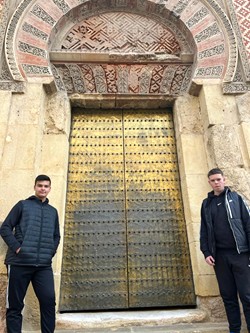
[233, 275]
[19, 278]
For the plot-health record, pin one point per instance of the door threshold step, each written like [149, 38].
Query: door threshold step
[118, 319]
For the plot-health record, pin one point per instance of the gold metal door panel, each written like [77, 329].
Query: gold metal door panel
[125, 241]
[94, 272]
[159, 272]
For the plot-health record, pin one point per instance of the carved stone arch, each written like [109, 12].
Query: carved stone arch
[4, 12]
[119, 50]
[203, 24]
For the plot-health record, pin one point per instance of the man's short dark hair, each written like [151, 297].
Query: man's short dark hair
[215, 171]
[41, 178]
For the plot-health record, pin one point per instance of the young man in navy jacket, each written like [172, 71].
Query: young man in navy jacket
[225, 243]
[31, 232]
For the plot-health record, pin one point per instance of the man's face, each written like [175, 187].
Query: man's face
[42, 189]
[217, 183]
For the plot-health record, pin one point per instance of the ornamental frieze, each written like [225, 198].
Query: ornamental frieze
[240, 17]
[166, 79]
[150, 26]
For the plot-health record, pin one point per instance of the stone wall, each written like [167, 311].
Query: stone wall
[212, 129]
[34, 131]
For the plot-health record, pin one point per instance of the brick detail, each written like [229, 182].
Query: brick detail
[242, 8]
[174, 28]
[121, 32]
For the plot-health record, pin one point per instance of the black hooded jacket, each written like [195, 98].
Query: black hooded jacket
[238, 218]
[33, 226]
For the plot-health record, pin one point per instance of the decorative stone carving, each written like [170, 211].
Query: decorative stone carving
[243, 35]
[197, 17]
[27, 48]
[216, 50]
[43, 15]
[121, 32]
[175, 38]
[209, 72]
[30, 29]
[5, 73]
[207, 33]
[233, 54]
[179, 8]
[166, 79]
[57, 78]
[18, 87]
[62, 5]
[238, 86]
[9, 42]
[235, 88]
[4, 10]
[36, 70]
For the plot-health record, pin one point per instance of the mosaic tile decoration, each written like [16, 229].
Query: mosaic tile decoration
[36, 23]
[121, 32]
[242, 8]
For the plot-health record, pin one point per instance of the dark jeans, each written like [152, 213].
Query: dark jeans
[42, 280]
[233, 275]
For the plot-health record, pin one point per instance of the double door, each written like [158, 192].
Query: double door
[125, 242]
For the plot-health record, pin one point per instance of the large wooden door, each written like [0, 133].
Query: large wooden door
[125, 242]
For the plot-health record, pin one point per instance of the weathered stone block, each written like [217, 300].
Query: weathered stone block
[54, 155]
[187, 115]
[58, 114]
[206, 285]
[198, 262]
[28, 109]
[193, 231]
[223, 147]
[245, 142]
[211, 102]
[214, 308]
[190, 150]
[238, 179]
[243, 102]
[22, 181]
[192, 198]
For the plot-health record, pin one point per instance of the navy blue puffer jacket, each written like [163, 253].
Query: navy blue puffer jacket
[33, 226]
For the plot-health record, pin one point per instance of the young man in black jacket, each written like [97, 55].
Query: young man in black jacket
[31, 231]
[225, 243]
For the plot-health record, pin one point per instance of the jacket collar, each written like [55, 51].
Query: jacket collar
[33, 197]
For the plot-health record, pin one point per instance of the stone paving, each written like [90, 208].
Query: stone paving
[179, 328]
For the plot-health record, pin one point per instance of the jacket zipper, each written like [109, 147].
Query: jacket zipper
[230, 216]
[40, 237]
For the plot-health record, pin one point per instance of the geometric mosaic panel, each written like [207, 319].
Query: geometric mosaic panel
[242, 8]
[121, 32]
